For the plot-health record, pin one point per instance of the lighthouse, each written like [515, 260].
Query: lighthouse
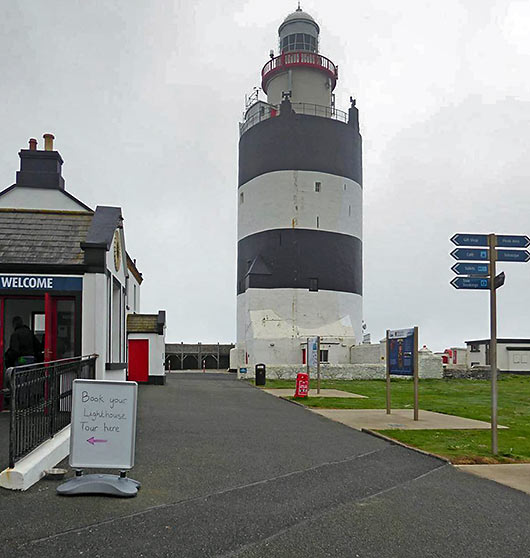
[299, 262]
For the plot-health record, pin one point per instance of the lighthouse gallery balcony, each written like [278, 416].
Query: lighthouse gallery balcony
[261, 110]
[298, 59]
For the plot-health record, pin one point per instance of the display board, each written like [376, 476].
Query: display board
[401, 352]
[103, 427]
[312, 352]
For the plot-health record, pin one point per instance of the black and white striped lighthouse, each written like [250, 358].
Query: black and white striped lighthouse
[299, 270]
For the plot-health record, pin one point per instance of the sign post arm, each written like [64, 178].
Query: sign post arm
[416, 373]
[387, 368]
[493, 343]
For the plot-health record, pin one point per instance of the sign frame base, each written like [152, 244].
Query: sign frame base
[109, 485]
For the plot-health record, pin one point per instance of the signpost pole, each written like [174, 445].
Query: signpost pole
[416, 373]
[318, 364]
[387, 366]
[493, 343]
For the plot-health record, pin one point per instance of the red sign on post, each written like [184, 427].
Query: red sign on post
[302, 385]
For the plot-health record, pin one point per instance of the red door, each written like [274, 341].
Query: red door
[138, 360]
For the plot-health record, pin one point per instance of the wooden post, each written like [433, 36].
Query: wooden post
[318, 364]
[387, 367]
[492, 242]
[416, 373]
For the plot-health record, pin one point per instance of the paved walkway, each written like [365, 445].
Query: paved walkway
[288, 392]
[516, 475]
[230, 471]
[401, 419]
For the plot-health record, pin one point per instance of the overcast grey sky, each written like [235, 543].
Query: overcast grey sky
[144, 98]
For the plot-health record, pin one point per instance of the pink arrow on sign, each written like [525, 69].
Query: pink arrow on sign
[95, 441]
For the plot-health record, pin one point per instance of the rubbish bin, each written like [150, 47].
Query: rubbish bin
[260, 374]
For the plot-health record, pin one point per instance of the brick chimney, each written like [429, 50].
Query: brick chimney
[40, 168]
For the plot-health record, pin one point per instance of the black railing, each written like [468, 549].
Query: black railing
[41, 401]
[300, 108]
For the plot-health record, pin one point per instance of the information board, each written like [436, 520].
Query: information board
[103, 427]
[401, 352]
[312, 352]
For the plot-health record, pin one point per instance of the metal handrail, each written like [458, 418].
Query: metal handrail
[310, 109]
[298, 58]
[41, 400]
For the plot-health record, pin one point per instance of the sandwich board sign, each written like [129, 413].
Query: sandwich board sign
[102, 436]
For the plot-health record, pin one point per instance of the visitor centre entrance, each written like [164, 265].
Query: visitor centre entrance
[54, 320]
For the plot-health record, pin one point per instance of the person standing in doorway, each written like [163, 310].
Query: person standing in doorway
[24, 347]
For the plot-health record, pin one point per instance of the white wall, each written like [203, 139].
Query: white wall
[133, 295]
[39, 198]
[94, 322]
[307, 86]
[287, 317]
[274, 199]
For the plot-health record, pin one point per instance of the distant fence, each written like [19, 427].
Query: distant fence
[41, 401]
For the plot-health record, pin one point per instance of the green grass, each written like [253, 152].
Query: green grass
[465, 398]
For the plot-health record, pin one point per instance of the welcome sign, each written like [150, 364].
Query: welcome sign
[40, 283]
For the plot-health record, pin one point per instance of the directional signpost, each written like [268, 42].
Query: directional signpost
[471, 283]
[471, 269]
[481, 276]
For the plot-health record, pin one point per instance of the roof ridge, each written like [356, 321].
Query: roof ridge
[45, 211]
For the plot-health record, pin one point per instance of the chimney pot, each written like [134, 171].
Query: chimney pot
[48, 142]
[32, 144]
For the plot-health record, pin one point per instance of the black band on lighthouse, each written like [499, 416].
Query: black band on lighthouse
[301, 142]
[295, 258]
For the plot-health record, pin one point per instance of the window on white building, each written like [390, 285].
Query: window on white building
[317, 186]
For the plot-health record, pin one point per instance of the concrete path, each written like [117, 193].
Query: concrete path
[289, 392]
[516, 475]
[402, 419]
[230, 471]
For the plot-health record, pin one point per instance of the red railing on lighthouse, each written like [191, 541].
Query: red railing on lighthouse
[288, 60]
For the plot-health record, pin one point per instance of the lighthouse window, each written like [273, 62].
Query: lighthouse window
[317, 186]
[349, 210]
[241, 197]
[313, 284]
[299, 41]
[318, 221]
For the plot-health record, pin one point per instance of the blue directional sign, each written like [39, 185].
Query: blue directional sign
[464, 268]
[513, 255]
[464, 239]
[470, 254]
[503, 240]
[470, 283]
[510, 241]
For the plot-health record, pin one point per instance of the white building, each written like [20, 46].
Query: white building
[513, 355]
[300, 209]
[64, 268]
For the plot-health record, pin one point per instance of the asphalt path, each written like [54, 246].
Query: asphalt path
[228, 470]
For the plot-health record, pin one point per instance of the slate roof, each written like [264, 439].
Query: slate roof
[42, 237]
[142, 323]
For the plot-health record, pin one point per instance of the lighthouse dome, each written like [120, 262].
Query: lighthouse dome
[299, 31]
[299, 15]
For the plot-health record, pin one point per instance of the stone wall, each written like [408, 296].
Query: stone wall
[475, 373]
[430, 367]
